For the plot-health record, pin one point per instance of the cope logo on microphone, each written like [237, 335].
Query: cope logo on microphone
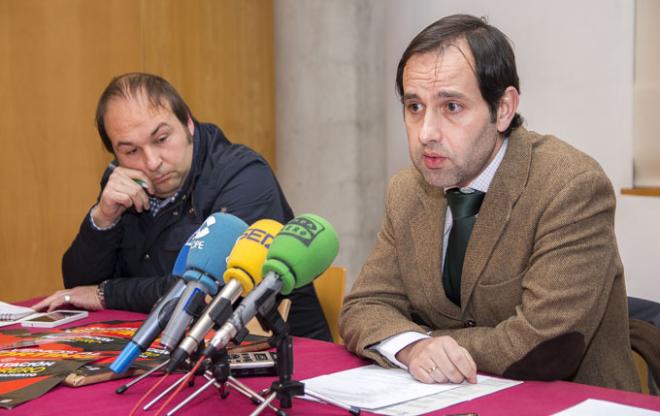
[196, 241]
[302, 228]
[262, 237]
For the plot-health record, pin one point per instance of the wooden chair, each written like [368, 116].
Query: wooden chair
[330, 287]
[645, 343]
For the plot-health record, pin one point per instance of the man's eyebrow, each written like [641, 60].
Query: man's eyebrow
[441, 94]
[120, 144]
[450, 94]
[158, 127]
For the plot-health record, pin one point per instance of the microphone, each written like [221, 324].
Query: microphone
[209, 248]
[305, 248]
[243, 273]
[157, 319]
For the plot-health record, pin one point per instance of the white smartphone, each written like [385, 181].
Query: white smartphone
[53, 319]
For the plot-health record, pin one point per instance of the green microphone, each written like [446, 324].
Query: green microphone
[304, 248]
[301, 251]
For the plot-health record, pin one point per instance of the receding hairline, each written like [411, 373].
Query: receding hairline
[137, 93]
[458, 43]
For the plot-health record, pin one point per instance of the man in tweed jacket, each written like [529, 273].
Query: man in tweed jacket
[542, 293]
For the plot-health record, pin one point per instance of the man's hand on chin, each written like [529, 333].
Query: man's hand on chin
[438, 360]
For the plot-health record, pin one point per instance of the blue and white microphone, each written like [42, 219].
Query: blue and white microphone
[206, 263]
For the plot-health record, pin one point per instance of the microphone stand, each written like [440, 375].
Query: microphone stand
[188, 364]
[216, 371]
[285, 388]
[219, 375]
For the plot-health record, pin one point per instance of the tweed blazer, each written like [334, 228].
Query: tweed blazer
[542, 288]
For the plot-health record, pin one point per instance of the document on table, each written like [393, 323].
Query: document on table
[605, 408]
[462, 393]
[395, 392]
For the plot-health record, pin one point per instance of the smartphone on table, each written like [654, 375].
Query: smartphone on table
[53, 319]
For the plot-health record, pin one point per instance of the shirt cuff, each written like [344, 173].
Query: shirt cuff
[96, 227]
[389, 347]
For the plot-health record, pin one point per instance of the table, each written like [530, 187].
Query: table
[311, 358]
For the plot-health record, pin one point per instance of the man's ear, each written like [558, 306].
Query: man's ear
[191, 126]
[507, 108]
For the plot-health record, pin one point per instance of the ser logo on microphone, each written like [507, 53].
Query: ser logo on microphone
[258, 236]
[304, 229]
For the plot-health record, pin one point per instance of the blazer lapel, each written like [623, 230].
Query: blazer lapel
[426, 231]
[504, 191]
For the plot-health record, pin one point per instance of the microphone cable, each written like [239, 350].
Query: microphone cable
[145, 395]
[180, 386]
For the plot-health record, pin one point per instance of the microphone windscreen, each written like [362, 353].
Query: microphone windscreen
[304, 248]
[249, 253]
[180, 263]
[209, 248]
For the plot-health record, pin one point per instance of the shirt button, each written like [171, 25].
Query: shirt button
[469, 323]
[147, 257]
[175, 213]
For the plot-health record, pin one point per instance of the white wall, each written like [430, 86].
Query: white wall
[329, 117]
[575, 61]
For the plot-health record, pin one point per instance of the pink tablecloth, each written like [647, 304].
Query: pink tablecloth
[312, 358]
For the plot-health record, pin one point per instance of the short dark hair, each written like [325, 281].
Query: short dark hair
[495, 63]
[159, 92]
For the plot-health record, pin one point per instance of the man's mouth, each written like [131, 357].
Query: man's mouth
[160, 179]
[433, 160]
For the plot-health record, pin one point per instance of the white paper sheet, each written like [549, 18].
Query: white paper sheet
[372, 387]
[396, 392]
[464, 392]
[591, 407]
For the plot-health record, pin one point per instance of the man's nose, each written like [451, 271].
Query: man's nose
[152, 159]
[431, 130]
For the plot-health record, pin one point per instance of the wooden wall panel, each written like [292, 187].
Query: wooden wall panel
[219, 55]
[58, 55]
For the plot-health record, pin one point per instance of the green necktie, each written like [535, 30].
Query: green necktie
[464, 208]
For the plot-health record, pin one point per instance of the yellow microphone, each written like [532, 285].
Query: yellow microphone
[249, 254]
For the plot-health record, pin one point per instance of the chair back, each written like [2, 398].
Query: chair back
[330, 287]
[645, 343]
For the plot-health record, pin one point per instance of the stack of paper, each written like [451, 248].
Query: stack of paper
[395, 392]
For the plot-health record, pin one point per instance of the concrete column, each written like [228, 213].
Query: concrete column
[330, 109]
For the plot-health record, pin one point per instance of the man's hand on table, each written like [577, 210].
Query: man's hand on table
[438, 360]
[83, 297]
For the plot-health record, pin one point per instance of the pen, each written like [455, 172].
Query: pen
[140, 182]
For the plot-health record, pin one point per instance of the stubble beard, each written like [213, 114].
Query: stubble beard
[453, 174]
